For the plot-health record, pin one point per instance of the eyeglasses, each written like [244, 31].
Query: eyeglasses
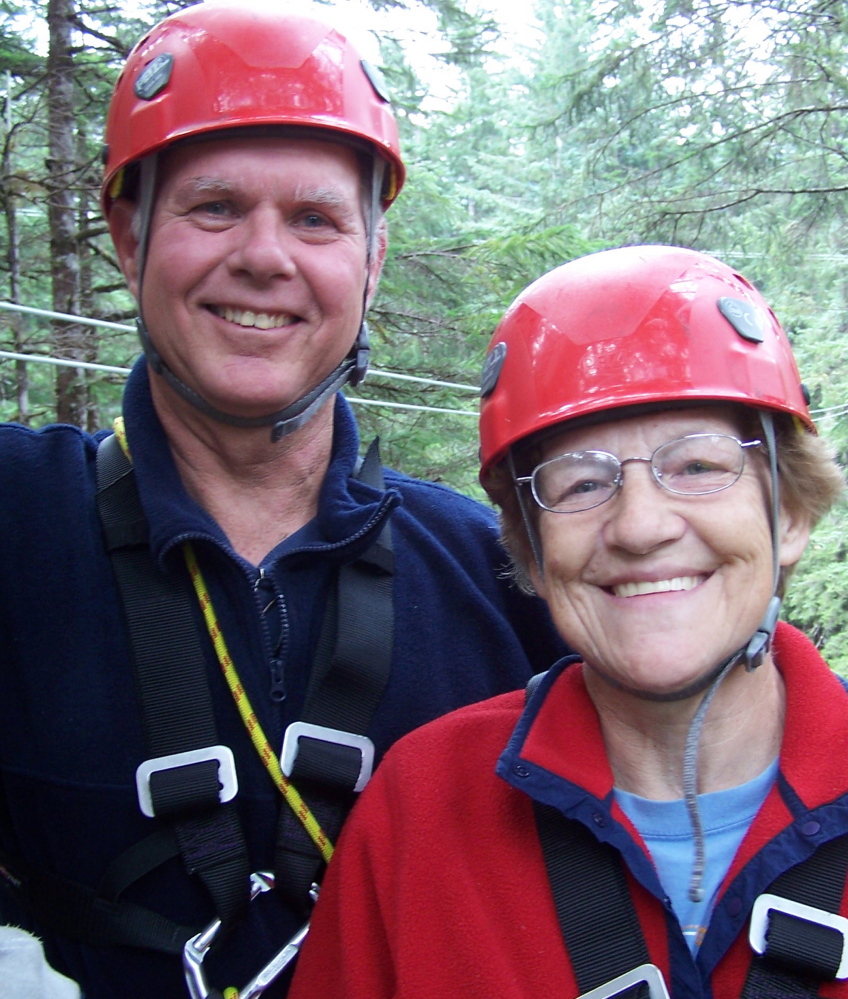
[695, 465]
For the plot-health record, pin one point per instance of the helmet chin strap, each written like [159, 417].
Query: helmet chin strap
[752, 654]
[284, 421]
[759, 645]
[351, 370]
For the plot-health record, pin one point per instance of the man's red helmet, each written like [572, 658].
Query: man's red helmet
[633, 326]
[223, 65]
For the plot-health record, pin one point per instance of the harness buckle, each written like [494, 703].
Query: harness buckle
[198, 946]
[647, 974]
[298, 730]
[766, 903]
[226, 773]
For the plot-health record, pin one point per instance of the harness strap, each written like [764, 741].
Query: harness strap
[347, 681]
[595, 911]
[800, 954]
[176, 703]
[604, 939]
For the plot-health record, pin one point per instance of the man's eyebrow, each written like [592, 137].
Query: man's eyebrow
[328, 196]
[193, 186]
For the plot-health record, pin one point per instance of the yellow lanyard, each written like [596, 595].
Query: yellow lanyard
[248, 716]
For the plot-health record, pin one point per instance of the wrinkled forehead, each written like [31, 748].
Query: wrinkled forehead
[232, 151]
[235, 153]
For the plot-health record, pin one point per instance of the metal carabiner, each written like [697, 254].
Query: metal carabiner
[256, 986]
[197, 947]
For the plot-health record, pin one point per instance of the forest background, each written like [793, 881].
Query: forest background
[716, 124]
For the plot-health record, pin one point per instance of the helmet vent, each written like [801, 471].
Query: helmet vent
[377, 80]
[492, 369]
[743, 317]
[154, 77]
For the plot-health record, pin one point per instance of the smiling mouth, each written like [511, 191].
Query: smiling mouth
[255, 320]
[657, 586]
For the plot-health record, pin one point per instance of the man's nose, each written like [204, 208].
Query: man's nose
[265, 247]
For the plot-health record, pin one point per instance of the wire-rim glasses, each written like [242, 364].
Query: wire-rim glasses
[694, 465]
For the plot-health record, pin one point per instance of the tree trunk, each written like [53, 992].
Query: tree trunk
[13, 261]
[68, 339]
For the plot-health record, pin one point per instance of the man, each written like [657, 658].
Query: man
[219, 583]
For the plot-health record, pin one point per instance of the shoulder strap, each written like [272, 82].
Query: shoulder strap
[800, 952]
[595, 911]
[186, 766]
[178, 720]
[347, 681]
[604, 939]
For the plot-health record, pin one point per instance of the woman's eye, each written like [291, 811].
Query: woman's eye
[585, 486]
[698, 468]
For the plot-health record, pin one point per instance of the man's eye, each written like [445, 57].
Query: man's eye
[212, 210]
[313, 220]
[215, 208]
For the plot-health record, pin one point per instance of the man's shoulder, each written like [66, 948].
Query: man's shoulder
[485, 725]
[44, 446]
[437, 499]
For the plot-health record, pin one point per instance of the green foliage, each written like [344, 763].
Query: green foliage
[817, 601]
[717, 124]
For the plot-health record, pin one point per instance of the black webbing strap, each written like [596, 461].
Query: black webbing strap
[799, 954]
[174, 694]
[82, 913]
[595, 911]
[348, 678]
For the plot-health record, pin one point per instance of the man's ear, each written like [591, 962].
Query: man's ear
[121, 217]
[375, 268]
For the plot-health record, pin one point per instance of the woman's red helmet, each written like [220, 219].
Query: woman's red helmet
[633, 326]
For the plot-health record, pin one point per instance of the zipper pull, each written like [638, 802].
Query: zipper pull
[278, 681]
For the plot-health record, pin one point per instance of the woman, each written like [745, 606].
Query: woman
[646, 435]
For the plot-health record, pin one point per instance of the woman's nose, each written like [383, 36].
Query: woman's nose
[642, 516]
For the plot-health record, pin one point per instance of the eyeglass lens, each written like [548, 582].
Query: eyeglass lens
[691, 466]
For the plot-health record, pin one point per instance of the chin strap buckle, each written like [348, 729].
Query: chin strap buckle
[360, 353]
[759, 644]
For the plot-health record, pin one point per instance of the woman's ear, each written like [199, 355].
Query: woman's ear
[537, 578]
[121, 216]
[795, 528]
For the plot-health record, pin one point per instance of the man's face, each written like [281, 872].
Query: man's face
[255, 276]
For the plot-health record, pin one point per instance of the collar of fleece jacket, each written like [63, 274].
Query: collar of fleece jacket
[807, 806]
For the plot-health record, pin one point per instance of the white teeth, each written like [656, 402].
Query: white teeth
[657, 586]
[259, 320]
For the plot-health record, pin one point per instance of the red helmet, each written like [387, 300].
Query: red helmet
[636, 325]
[227, 65]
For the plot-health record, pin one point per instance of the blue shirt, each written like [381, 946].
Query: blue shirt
[666, 828]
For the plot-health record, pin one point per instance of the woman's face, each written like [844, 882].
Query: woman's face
[654, 589]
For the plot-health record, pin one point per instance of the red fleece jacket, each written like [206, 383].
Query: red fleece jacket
[438, 889]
